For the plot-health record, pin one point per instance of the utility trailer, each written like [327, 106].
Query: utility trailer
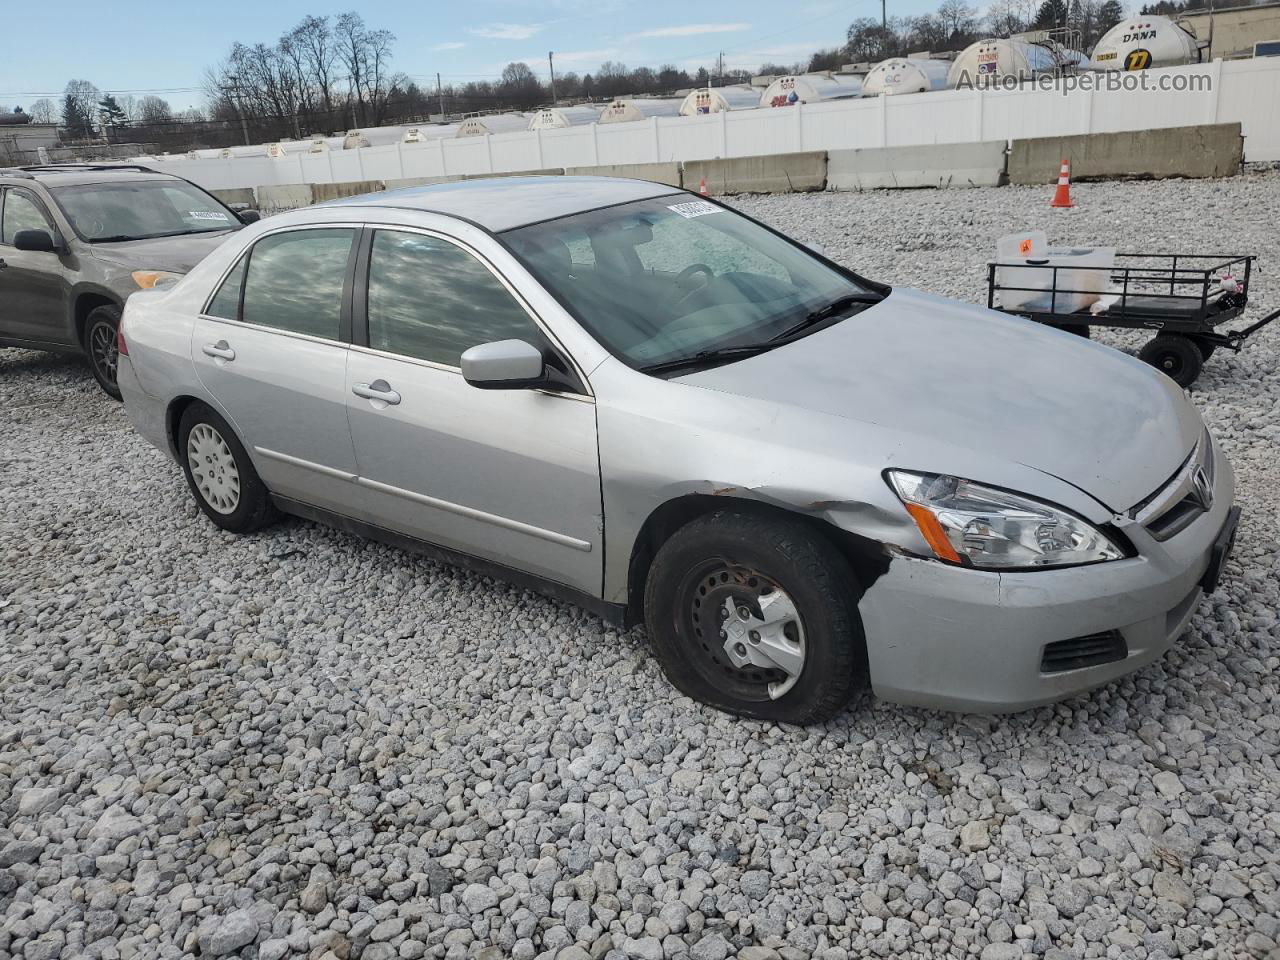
[1185, 298]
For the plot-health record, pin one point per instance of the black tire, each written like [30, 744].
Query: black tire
[1206, 346]
[99, 344]
[1175, 356]
[686, 592]
[251, 507]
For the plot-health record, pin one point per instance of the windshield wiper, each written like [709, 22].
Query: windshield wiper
[155, 236]
[709, 357]
[837, 306]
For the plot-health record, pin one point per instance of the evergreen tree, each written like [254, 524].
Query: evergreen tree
[1109, 14]
[1052, 13]
[110, 113]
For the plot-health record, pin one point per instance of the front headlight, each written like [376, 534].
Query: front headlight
[149, 279]
[969, 524]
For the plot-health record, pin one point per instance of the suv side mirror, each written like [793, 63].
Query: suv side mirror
[504, 365]
[36, 241]
[249, 216]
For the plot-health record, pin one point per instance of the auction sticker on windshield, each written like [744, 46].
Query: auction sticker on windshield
[694, 208]
[206, 215]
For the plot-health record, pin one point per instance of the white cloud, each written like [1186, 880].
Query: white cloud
[454, 45]
[692, 30]
[508, 31]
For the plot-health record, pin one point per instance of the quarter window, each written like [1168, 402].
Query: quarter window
[226, 302]
[431, 300]
[294, 281]
[21, 213]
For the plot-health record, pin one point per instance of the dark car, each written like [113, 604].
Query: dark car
[77, 239]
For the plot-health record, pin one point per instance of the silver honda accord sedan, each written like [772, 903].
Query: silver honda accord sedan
[804, 482]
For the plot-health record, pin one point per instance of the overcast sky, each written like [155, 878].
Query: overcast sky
[164, 48]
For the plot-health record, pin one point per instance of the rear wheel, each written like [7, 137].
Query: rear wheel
[1176, 356]
[758, 616]
[100, 346]
[220, 474]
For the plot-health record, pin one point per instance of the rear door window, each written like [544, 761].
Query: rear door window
[226, 302]
[294, 281]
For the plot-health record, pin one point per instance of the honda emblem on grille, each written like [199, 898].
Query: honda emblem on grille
[1201, 489]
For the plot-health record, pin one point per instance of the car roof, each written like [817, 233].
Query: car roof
[504, 203]
[73, 175]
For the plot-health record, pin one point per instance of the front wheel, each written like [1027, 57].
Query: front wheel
[100, 346]
[1176, 356]
[220, 474]
[758, 616]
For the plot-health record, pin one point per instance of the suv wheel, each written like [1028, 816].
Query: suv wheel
[757, 616]
[220, 473]
[100, 346]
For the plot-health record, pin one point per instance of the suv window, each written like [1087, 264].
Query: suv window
[21, 212]
[431, 300]
[294, 281]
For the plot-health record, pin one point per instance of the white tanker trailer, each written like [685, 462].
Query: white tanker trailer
[905, 75]
[1145, 42]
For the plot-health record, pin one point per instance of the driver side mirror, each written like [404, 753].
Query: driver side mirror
[504, 365]
[249, 216]
[36, 241]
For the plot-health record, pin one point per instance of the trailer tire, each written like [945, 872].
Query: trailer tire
[1174, 355]
[1206, 346]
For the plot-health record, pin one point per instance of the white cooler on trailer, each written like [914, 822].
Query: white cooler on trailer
[1037, 276]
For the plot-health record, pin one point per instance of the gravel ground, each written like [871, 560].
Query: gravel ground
[302, 744]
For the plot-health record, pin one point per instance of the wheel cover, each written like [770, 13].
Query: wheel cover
[744, 632]
[104, 350]
[213, 468]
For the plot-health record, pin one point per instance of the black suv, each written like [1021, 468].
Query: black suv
[77, 239]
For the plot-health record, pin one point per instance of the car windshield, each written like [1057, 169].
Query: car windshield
[672, 278]
[142, 209]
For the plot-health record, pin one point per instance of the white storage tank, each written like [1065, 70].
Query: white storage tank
[557, 118]
[1145, 42]
[625, 109]
[905, 75]
[984, 62]
[493, 123]
[810, 88]
[719, 100]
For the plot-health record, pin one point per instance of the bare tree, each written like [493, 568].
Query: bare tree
[43, 111]
[152, 109]
[315, 40]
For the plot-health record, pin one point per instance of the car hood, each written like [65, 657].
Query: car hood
[176, 254]
[996, 385]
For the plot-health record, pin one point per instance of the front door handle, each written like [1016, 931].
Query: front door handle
[222, 350]
[378, 390]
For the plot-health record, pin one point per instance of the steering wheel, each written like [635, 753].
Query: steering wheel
[680, 294]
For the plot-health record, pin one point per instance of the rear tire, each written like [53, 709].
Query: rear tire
[100, 346]
[1174, 355]
[220, 474]
[808, 657]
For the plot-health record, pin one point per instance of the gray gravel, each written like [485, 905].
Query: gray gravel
[303, 744]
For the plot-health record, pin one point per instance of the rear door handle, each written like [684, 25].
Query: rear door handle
[378, 390]
[222, 350]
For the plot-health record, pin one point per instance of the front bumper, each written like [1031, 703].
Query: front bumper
[957, 639]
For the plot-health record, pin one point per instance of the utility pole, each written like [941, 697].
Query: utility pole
[440, 94]
[884, 16]
[235, 102]
[552, 64]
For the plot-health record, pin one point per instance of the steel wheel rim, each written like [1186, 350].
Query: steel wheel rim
[213, 468]
[744, 631]
[104, 350]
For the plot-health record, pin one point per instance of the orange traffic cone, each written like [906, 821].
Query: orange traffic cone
[702, 186]
[1062, 196]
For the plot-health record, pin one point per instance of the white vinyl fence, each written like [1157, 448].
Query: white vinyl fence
[1243, 90]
